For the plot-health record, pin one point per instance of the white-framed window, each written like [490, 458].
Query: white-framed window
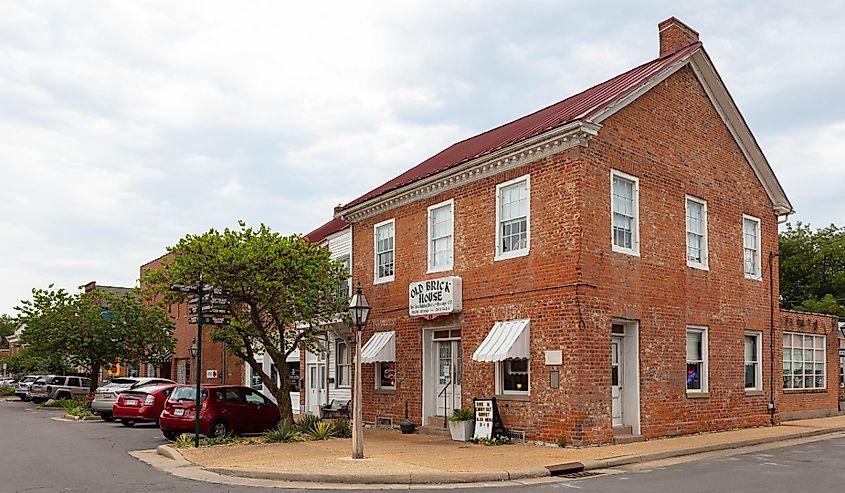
[753, 358]
[751, 247]
[513, 218]
[384, 250]
[696, 211]
[696, 359]
[345, 287]
[804, 361]
[441, 236]
[625, 206]
[513, 376]
[385, 375]
[343, 365]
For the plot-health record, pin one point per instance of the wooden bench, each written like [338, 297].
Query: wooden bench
[335, 408]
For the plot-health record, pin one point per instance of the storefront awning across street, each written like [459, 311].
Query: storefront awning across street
[380, 347]
[509, 339]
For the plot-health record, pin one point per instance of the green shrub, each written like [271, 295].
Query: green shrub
[561, 441]
[321, 430]
[285, 431]
[182, 441]
[307, 423]
[342, 428]
[461, 415]
[219, 440]
[7, 391]
[500, 440]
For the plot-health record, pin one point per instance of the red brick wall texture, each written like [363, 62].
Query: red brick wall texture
[572, 285]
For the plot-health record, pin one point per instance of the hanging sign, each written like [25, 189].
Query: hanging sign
[435, 297]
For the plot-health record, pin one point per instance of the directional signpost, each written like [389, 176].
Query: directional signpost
[214, 314]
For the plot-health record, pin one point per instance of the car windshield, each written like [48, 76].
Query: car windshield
[186, 394]
[28, 379]
[40, 380]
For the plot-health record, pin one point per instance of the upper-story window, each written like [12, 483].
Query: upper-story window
[696, 233]
[625, 193]
[751, 247]
[344, 289]
[384, 243]
[440, 234]
[513, 218]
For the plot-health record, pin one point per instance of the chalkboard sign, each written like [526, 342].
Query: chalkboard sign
[488, 423]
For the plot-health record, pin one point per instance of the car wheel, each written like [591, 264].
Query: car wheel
[127, 422]
[218, 429]
[170, 435]
[107, 417]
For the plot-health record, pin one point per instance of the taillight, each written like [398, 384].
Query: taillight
[150, 400]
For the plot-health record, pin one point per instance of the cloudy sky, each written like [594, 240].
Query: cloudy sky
[125, 125]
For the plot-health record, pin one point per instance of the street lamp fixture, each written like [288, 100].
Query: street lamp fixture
[193, 349]
[359, 309]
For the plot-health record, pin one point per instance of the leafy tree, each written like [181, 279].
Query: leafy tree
[8, 326]
[812, 269]
[29, 360]
[280, 289]
[89, 330]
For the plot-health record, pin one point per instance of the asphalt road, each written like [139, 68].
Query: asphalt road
[39, 454]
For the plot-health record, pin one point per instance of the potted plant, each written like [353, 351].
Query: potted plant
[461, 424]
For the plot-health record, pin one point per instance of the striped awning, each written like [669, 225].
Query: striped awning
[380, 347]
[509, 339]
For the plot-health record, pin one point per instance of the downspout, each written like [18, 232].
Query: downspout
[772, 256]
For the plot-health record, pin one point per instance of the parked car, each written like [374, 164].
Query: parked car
[142, 404]
[22, 388]
[58, 387]
[225, 409]
[7, 381]
[106, 395]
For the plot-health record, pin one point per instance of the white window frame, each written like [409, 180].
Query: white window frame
[705, 356]
[635, 231]
[758, 265]
[376, 278]
[758, 374]
[522, 252]
[378, 385]
[705, 254]
[804, 371]
[500, 379]
[338, 366]
[431, 268]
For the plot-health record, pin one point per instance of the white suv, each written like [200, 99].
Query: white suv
[106, 396]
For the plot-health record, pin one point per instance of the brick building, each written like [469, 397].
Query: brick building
[218, 366]
[601, 266]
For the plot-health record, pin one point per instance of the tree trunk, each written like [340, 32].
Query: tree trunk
[283, 394]
[94, 376]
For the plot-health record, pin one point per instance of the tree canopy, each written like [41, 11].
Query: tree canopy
[281, 289]
[8, 326]
[812, 269]
[89, 330]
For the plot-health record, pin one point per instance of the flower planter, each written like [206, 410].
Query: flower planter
[462, 430]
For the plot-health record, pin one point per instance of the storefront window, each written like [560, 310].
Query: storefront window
[386, 377]
[514, 374]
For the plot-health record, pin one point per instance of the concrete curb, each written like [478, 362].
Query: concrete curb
[635, 459]
[463, 477]
[82, 418]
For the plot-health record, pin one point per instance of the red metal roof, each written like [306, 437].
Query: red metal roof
[327, 229]
[581, 106]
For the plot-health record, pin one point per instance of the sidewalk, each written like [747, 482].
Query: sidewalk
[417, 459]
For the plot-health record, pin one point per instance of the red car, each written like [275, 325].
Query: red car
[225, 409]
[141, 404]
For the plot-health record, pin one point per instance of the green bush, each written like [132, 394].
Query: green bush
[307, 423]
[461, 415]
[182, 441]
[321, 430]
[285, 431]
[342, 428]
[7, 391]
[500, 440]
[58, 403]
[77, 407]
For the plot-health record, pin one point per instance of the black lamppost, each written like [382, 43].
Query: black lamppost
[358, 311]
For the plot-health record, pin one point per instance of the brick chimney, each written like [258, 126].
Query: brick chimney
[674, 35]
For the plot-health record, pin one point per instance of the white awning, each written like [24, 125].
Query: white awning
[380, 347]
[508, 339]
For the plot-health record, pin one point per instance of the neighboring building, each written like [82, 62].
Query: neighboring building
[14, 340]
[218, 365]
[603, 266]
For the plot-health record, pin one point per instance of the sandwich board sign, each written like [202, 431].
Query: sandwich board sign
[488, 423]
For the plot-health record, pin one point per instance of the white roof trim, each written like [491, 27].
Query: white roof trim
[721, 99]
[380, 347]
[509, 339]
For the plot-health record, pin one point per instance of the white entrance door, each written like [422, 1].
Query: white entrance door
[315, 382]
[448, 364]
[616, 380]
